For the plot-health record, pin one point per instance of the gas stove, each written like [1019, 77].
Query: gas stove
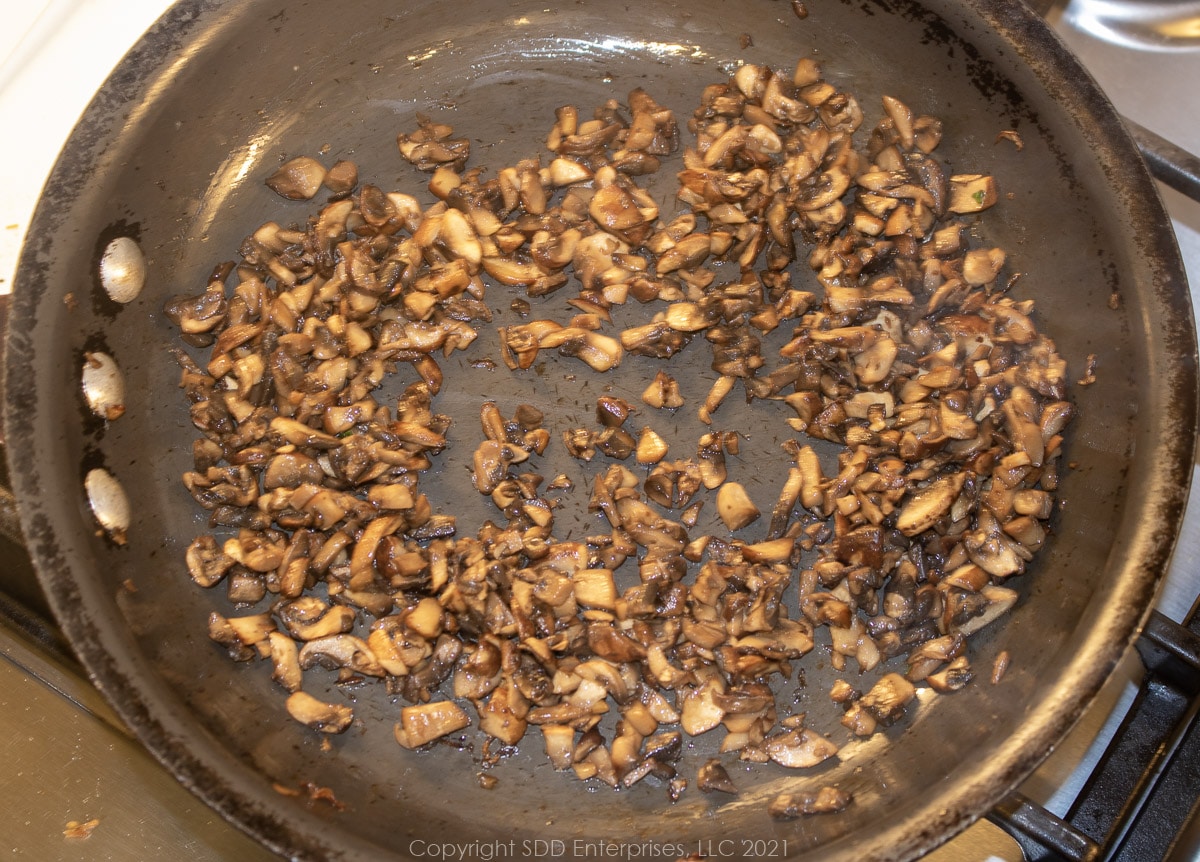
[78, 786]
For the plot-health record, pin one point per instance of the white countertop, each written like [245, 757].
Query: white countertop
[46, 81]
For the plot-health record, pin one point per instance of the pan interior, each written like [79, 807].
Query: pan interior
[219, 95]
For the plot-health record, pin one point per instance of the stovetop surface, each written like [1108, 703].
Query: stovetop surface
[68, 759]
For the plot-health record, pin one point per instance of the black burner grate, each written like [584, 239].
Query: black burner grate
[1139, 803]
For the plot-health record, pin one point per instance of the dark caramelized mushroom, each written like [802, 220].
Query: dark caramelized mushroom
[827, 800]
[713, 778]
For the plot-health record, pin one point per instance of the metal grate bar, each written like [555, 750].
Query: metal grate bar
[1139, 802]
[1021, 815]
[1168, 163]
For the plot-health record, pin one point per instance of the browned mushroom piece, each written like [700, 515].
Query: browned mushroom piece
[799, 748]
[285, 660]
[317, 714]
[651, 447]
[887, 699]
[298, 179]
[735, 507]
[432, 146]
[423, 723]
[309, 618]
[999, 600]
[663, 392]
[223, 632]
[342, 178]
[953, 677]
[611, 412]
[712, 777]
[206, 563]
[827, 800]
[340, 651]
[615, 443]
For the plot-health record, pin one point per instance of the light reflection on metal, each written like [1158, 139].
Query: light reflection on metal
[608, 46]
[229, 177]
[613, 44]
[240, 169]
[429, 53]
[867, 747]
[1188, 28]
[1153, 25]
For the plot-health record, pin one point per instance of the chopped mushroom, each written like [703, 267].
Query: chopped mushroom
[999, 601]
[887, 698]
[927, 505]
[432, 146]
[916, 360]
[799, 748]
[342, 177]
[285, 657]
[422, 724]
[954, 677]
[713, 777]
[735, 507]
[205, 562]
[651, 448]
[298, 179]
[325, 717]
[970, 193]
[827, 800]
[663, 392]
[340, 651]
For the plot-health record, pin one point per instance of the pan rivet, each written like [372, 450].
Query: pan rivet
[103, 385]
[109, 502]
[123, 269]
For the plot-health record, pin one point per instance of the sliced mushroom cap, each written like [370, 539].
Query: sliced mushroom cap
[206, 563]
[700, 712]
[651, 448]
[423, 723]
[285, 661]
[320, 716]
[560, 744]
[993, 551]
[953, 677]
[927, 505]
[971, 193]
[292, 469]
[999, 601]
[503, 714]
[340, 651]
[308, 618]
[663, 392]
